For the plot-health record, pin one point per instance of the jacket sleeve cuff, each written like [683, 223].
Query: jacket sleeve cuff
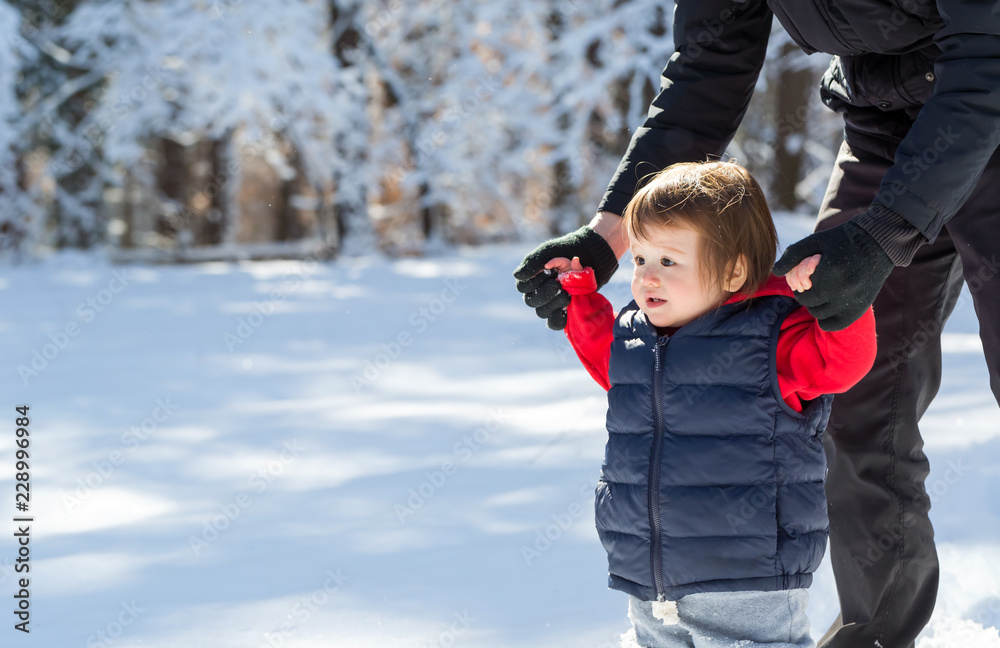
[897, 237]
[596, 253]
[614, 202]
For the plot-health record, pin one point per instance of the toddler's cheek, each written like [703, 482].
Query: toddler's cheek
[636, 295]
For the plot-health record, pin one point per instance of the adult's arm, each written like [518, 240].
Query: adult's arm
[942, 157]
[612, 228]
[705, 88]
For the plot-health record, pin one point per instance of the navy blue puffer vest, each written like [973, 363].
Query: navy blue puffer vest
[710, 481]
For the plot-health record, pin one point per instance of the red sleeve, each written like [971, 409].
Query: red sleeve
[589, 323]
[812, 362]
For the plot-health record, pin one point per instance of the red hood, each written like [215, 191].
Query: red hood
[773, 286]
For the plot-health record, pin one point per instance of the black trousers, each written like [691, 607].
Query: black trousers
[881, 540]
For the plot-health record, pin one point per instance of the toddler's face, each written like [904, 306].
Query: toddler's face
[666, 282]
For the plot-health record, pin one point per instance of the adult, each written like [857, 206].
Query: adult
[911, 207]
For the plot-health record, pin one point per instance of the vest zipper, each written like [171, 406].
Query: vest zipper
[656, 551]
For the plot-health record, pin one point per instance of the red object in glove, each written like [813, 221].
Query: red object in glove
[578, 282]
[589, 321]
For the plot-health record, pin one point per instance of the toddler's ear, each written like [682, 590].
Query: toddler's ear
[738, 276]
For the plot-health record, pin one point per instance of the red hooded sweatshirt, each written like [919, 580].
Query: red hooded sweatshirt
[810, 361]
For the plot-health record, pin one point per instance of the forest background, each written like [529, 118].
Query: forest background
[174, 130]
[223, 429]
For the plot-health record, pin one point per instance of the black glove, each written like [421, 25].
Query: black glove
[850, 274]
[541, 288]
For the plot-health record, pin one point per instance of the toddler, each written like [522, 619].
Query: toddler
[710, 502]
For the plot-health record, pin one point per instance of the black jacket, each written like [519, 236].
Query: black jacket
[918, 81]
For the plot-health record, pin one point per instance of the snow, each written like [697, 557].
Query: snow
[395, 452]
[959, 632]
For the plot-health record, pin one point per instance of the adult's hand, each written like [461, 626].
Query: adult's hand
[851, 271]
[541, 288]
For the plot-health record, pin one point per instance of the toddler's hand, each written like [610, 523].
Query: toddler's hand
[562, 264]
[573, 277]
[798, 277]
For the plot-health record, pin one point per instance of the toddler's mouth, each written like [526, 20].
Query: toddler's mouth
[655, 301]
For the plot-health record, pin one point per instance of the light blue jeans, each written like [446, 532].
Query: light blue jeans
[724, 620]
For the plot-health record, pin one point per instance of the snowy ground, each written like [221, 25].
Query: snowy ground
[364, 453]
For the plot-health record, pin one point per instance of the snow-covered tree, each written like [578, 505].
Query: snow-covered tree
[607, 57]
[455, 99]
[789, 139]
[421, 123]
[507, 111]
[55, 96]
[20, 219]
[259, 76]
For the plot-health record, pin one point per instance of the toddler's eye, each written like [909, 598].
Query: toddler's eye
[666, 262]
[638, 260]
